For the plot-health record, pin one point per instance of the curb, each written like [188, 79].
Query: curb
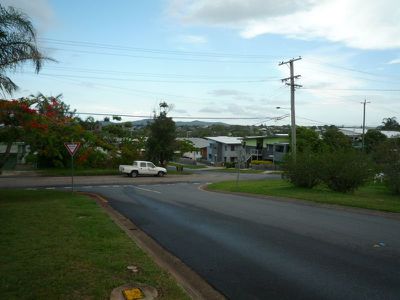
[195, 286]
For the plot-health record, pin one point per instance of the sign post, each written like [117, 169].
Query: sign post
[72, 149]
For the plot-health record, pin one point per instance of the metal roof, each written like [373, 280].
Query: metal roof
[197, 142]
[231, 140]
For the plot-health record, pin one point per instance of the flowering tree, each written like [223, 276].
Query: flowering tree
[44, 123]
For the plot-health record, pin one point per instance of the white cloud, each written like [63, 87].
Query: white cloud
[39, 11]
[226, 92]
[194, 39]
[394, 61]
[355, 23]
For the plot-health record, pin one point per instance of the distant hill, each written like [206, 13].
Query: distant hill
[144, 122]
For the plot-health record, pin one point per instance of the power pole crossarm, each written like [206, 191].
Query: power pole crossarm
[292, 102]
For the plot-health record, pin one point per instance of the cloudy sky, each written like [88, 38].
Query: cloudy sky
[220, 58]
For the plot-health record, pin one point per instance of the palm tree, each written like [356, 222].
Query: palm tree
[17, 46]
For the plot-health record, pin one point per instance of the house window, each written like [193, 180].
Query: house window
[233, 159]
[232, 147]
[226, 148]
[224, 158]
[279, 148]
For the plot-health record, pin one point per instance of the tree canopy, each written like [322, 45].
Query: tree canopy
[390, 124]
[160, 144]
[17, 46]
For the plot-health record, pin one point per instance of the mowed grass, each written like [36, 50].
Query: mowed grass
[235, 170]
[173, 164]
[59, 245]
[372, 196]
[78, 172]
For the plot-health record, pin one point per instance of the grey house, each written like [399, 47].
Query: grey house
[223, 149]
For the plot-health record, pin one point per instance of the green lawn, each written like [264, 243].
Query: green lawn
[59, 245]
[173, 164]
[235, 170]
[78, 172]
[373, 196]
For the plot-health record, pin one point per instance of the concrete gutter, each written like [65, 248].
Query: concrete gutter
[195, 286]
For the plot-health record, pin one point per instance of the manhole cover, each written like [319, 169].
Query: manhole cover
[134, 291]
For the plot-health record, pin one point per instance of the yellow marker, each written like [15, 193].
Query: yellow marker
[132, 294]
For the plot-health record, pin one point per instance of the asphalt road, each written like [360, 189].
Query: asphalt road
[252, 248]
[61, 181]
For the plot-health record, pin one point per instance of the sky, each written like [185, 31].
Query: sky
[219, 58]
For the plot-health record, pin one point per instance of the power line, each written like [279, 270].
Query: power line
[158, 57]
[151, 50]
[143, 74]
[353, 89]
[150, 80]
[174, 117]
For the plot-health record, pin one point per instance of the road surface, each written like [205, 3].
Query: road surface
[252, 248]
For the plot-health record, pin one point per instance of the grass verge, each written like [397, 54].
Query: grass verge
[234, 170]
[373, 196]
[58, 245]
[78, 172]
[173, 164]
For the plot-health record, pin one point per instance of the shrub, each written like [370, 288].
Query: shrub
[304, 171]
[261, 162]
[229, 164]
[345, 170]
[387, 156]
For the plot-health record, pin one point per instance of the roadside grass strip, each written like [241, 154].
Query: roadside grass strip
[372, 196]
[78, 172]
[235, 170]
[59, 245]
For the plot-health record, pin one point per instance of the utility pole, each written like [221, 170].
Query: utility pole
[293, 87]
[363, 129]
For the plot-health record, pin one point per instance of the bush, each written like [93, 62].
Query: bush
[387, 156]
[229, 165]
[261, 162]
[304, 171]
[345, 170]
[342, 170]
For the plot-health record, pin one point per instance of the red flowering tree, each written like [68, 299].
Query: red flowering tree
[44, 123]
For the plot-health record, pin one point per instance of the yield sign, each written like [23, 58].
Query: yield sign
[72, 147]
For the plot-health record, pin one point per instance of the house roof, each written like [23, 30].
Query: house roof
[266, 136]
[231, 140]
[197, 142]
[391, 134]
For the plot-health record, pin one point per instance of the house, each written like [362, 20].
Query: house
[266, 147]
[201, 146]
[18, 153]
[223, 149]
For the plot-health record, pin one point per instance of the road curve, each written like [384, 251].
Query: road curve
[252, 248]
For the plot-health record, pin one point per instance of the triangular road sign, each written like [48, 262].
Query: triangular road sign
[72, 147]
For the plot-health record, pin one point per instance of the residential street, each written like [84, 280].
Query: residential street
[251, 248]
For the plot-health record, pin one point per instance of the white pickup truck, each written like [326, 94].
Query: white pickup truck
[142, 168]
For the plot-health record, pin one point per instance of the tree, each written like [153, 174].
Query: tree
[15, 116]
[307, 139]
[160, 144]
[373, 138]
[43, 123]
[335, 140]
[17, 46]
[390, 124]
